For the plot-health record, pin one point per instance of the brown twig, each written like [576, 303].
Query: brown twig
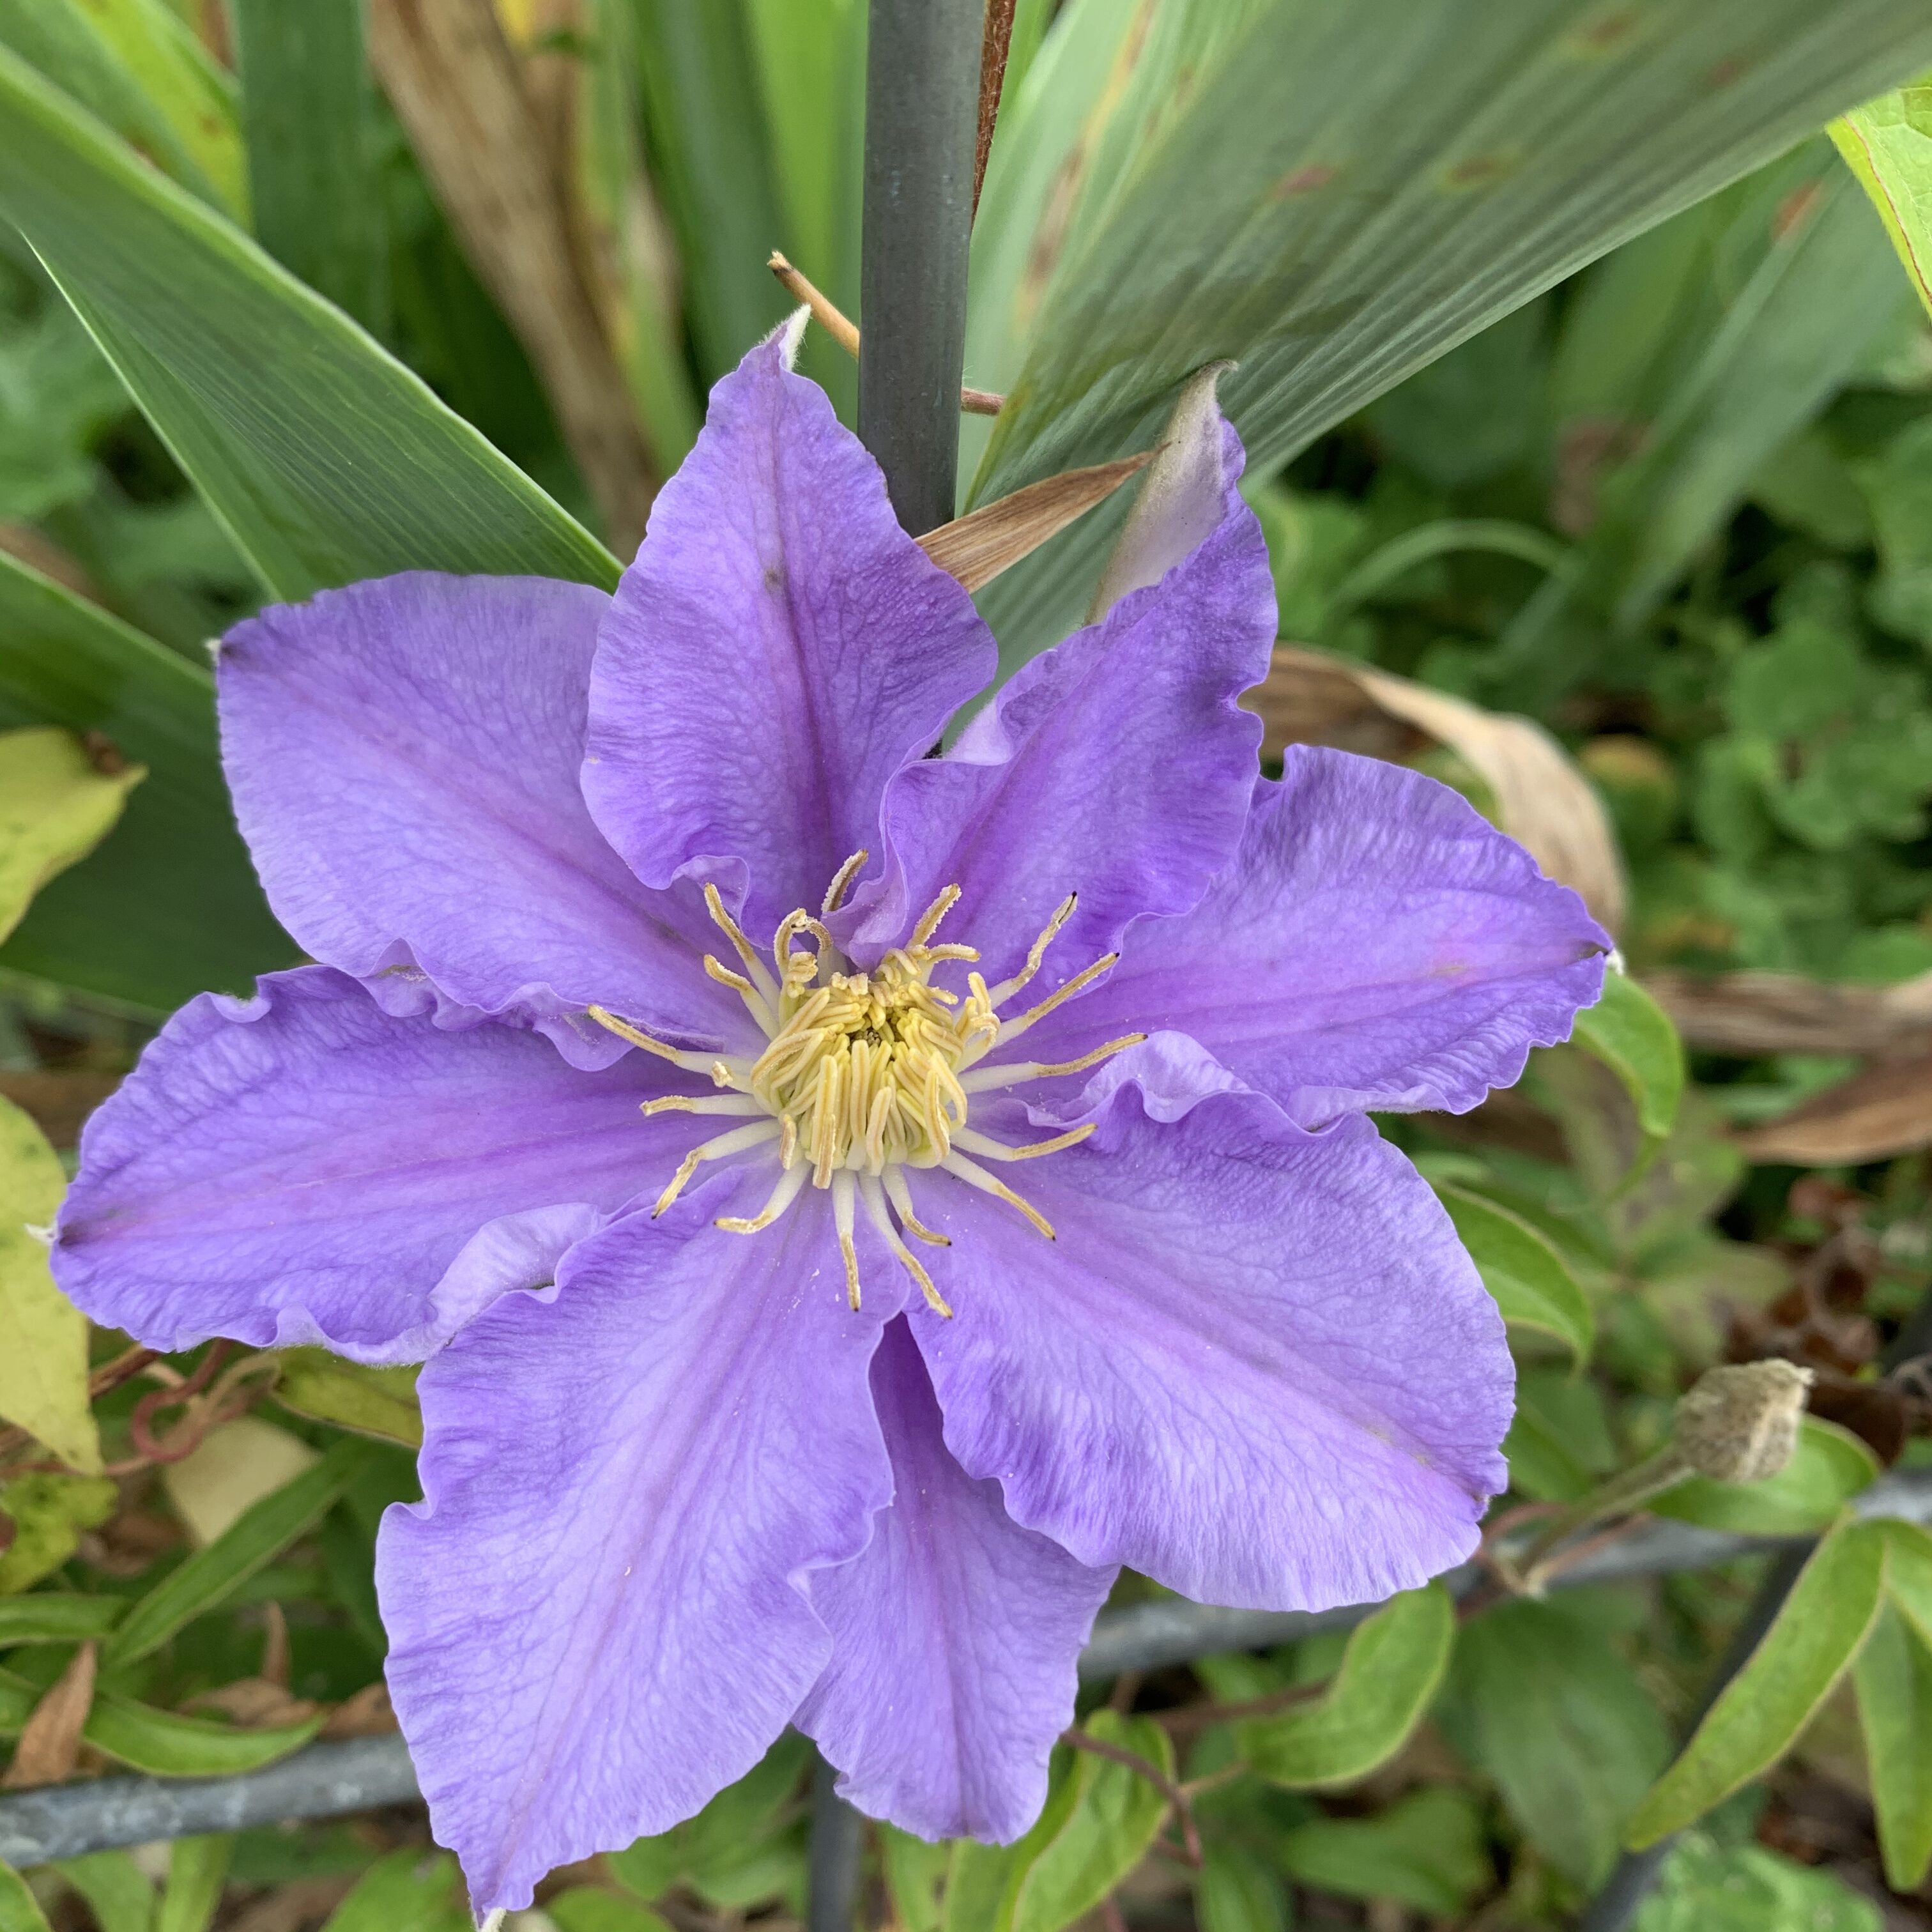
[1191, 1718]
[109, 1375]
[994, 49]
[844, 331]
[1184, 1808]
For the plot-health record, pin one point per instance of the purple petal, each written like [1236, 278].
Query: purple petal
[954, 1637]
[304, 1167]
[779, 648]
[1255, 1365]
[1117, 765]
[597, 1616]
[1377, 944]
[405, 757]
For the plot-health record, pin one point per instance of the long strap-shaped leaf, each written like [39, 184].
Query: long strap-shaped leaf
[1333, 192]
[327, 460]
[168, 904]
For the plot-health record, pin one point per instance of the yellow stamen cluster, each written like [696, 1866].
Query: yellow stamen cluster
[866, 1075]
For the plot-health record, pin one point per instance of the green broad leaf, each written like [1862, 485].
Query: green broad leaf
[1334, 195]
[1887, 144]
[121, 1899]
[1092, 1833]
[1632, 1035]
[1389, 1674]
[1238, 1890]
[20, 1910]
[1539, 1700]
[77, 45]
[55, 806]
[166, 1744]
[258, 1535]
[49, 1512]
[325, 458]
[409, 1891]
[1766, 1706]
[914, 1869]
[381, 1402]
[1559, 1442]
[1800, 284]
[1746, 1888]
[309, 123]
[977, 1882]
[1425, 1852]
[1830, 1466]
[1893, 1677]
[197, 1868]
[587, 1908]
[168, 905]
[17, 1699]
[42, 1336]
[1531, 1282]
[52, 1616]
[1908, 1574]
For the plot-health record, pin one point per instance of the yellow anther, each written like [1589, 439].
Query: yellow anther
[716, 970]
[736, 1141]
[1035, 953]
[740, 944]
[929, 920]
[999, 1151]
[1080, 981]
[842, 882]
[974, 1175]
[692, 1103]
[695, 1062]
[900, 1195]
[984, 1079]
[791, 1181]
[842, 1192]
[875, 1209]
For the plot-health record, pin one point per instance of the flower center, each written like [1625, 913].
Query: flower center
[866, 1075]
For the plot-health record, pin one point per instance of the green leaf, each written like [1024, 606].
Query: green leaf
[1539, 1700]
[1908, 1574]
[1335, 193]
[381, 1402]
[1426, 1851]
[1887, 144]
[1084, 1846]
[75, 44]
[50, 1512]
[166, 1744]
[976, 1880]
[308, 119]
[586, 1908]
[55, 806]
[1765, 1707]
[256, 1536]
[1389, 1674]
[120, 1898]
[197, 1870]
[42, 1336]
[53, 1616]
[1830, 1466]
[1632, 1035]
[1531, 1282]
[1746, 1888]
[327, 461]
[914, 1871]
[1893, 1677]
[409, 1891]
[1238, 1890]
[20, 1910]
[169, 905]
[17, 1699]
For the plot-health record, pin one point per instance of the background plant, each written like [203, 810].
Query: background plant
[1582, 383]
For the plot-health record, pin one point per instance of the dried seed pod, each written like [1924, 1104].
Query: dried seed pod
[1739, 1423]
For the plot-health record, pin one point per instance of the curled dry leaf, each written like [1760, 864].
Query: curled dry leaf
[1884, 1110]
[49, 1746]
[1783, 1013]
[369, 1713]
[976, 548]
[1542, 799]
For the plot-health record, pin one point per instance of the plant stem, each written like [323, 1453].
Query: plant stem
[922, 110]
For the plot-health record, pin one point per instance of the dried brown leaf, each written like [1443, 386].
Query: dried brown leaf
[1886, 1109]
[976, 548]
[366, 1715]
[1542, 799]
[455, 83]
[298, 1906]
[49, 1746]
[255, 1704]
[1783, 1012]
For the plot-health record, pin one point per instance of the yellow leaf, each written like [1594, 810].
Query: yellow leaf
[56, 805]
[239, 1464]
[42, 1336]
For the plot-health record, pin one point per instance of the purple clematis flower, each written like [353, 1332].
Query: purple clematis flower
[849, 1202]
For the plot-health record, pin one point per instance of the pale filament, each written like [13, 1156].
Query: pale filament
[866, 1076]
